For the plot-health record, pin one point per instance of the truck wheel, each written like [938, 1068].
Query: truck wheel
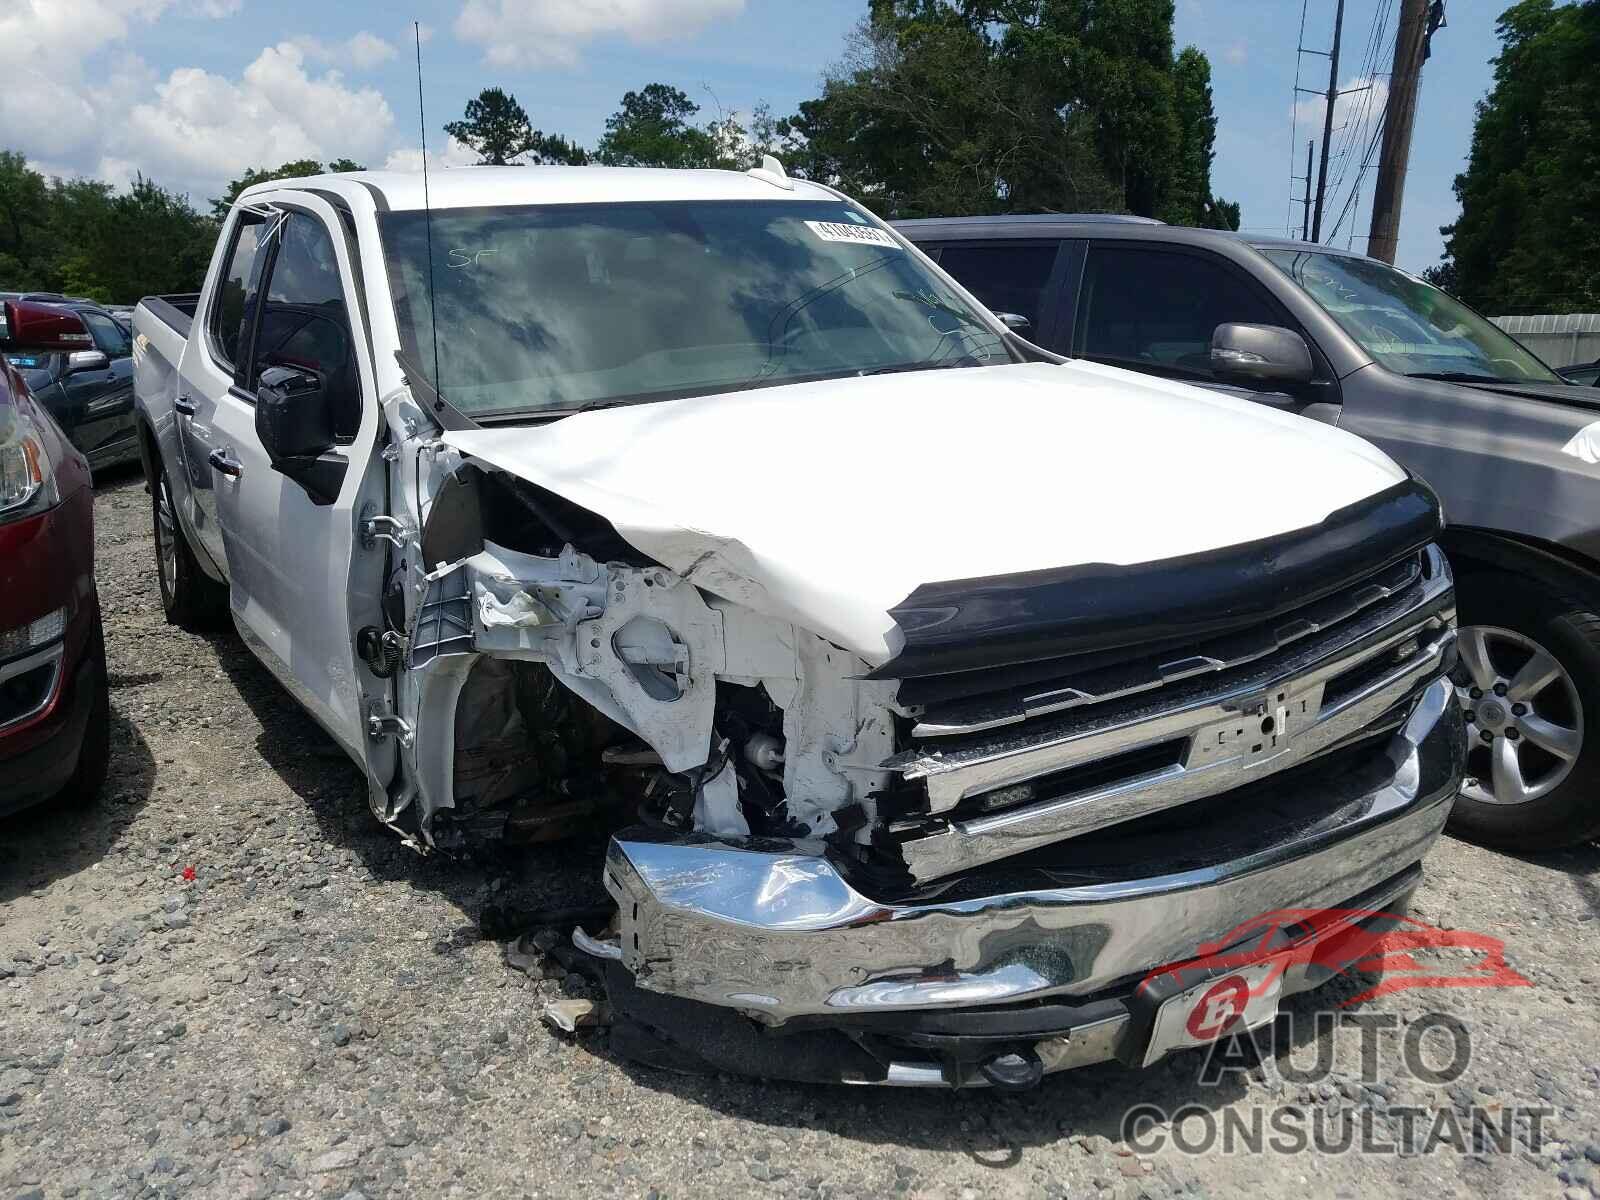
[190, 598]
[94, 756]
[1529, 682]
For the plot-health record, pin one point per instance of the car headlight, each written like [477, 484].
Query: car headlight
[27, 476]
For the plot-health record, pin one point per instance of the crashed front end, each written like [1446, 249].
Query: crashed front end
[951, 866]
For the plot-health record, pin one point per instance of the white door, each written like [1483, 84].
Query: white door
[290, 538]
[213, 361]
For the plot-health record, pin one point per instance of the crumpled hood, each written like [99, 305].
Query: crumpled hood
[826, 504]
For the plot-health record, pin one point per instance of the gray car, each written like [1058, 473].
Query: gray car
[1510, 447]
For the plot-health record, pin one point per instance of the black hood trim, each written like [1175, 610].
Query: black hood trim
[973, 624]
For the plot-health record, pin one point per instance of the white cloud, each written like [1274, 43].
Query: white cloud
[451, 154]
[544, 32]
[1236, 54]
[207, 129]
[363, 51]
[1352, 104]
[77, 102]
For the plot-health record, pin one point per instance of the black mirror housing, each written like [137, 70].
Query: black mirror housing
[1257, 354]
[292, 414]
[1014, 321]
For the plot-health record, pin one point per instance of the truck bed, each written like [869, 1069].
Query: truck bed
[175, 311]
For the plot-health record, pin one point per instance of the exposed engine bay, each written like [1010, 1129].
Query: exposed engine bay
[588, 687]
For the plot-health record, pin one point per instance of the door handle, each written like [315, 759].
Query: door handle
[184, 405]
[225, 463]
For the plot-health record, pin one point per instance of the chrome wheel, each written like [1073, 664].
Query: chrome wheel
[166, 539]
[1524, 719]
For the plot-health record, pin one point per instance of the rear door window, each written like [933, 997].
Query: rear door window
[1155, 310]
[1009, 277]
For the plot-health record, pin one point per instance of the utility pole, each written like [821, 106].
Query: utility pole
[1327, 121]
[1305, 213]
[1416, 29]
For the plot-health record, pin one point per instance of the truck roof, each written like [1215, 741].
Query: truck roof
[493, 187]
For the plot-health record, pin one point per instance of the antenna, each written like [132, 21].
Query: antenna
[427, 221]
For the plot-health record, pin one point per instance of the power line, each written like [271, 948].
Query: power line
[1294, 118]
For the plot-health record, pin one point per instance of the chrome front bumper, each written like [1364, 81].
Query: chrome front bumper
[776, 932]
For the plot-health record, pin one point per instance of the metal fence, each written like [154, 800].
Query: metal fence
[1559, 340]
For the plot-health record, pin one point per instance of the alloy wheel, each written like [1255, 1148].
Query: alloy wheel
[1524, 718]
[166, 539]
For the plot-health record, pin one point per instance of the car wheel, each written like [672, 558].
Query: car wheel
[1528, 681]
[190, 598]
[94, 756]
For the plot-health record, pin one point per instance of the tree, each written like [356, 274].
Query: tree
[1188, 192]
[297, 169]
[499, 131]
[1527, 239]
[974, 106]
[652, 129]
[23, 211]
[85, 238]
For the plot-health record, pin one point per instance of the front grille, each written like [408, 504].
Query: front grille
[973, 701]
[1002, 770]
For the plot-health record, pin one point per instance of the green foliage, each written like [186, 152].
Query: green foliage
[84, 238]
[1527, 239]
[652, 129]
[498, 129]
[981, 106]
[297, 169]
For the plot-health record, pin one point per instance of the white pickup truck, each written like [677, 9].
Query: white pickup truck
[932, 689]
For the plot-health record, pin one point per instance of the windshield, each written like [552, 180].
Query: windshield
[1409, 326]
[548, 309]
[36, 369]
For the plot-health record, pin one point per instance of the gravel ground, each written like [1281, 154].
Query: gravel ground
[317, 1014]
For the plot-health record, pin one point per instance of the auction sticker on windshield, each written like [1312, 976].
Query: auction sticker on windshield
[835, 231]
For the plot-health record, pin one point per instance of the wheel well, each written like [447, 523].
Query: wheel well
[1467, 547]
[149, 449]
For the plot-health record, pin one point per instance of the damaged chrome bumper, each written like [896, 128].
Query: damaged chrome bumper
[779, 934]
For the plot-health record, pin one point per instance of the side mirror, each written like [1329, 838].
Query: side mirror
[1255, 354]
[87, 360]
[292, 414]
[1014, 321]
[35, 325]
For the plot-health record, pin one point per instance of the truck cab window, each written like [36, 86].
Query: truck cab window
[229, 308]
[1157, 309]
[305, 322]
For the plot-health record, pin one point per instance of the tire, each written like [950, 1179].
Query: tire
[1510, 620]
[94, 756]
[190, 598]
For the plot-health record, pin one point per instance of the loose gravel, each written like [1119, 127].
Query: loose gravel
[226, 980]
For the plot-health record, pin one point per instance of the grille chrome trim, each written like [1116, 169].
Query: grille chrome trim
[983, 713]
[963, 844]
[1329, 688]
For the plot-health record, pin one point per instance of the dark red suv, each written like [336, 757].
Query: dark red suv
[54, 710]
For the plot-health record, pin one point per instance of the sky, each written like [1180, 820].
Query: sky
[192, 92]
